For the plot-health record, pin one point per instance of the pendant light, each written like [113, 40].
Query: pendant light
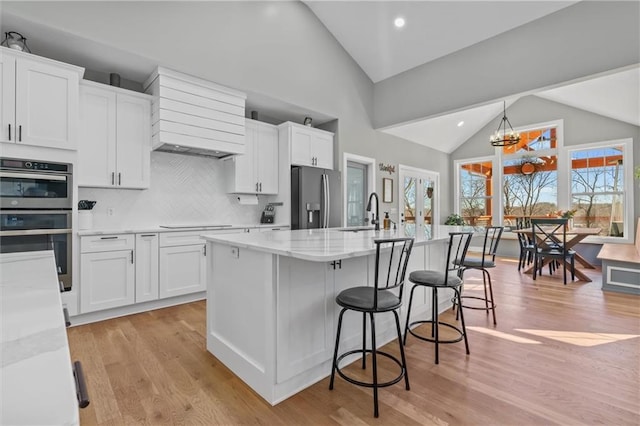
[501, 137]
[15, 40]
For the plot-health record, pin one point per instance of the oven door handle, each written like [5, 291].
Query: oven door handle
[21, 232]
[41, 176]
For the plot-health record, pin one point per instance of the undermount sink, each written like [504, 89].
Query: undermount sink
[356, 229]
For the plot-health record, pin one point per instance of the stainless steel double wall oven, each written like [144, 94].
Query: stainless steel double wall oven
[36, 200]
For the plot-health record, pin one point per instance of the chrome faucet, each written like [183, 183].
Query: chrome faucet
[376, 217]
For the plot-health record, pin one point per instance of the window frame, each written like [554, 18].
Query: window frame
[457, 165]
[371, 178]
[627, 147]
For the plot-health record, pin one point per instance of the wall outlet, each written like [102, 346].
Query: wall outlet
[235, 252]
[111, 211]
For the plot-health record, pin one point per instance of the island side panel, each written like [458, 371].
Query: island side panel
[241, 313]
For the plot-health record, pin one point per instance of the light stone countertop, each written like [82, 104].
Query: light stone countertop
[182, 228]
[325, 245]
[36, 376]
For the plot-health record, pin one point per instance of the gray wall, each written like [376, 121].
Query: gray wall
[581, 40]
[276, 49]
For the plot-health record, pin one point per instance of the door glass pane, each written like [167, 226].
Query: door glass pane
[408, 215]
[356, 193]
[428, 202]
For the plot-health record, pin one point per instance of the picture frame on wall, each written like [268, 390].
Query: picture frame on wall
[387, 190]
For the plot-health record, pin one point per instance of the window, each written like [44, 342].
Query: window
[600, 181]
[356, 193]
[530, 174]
[358, 182]
[476, 192]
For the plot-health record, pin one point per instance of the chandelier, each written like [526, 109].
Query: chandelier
[501, 137]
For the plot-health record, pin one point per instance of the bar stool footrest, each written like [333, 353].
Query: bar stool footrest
[369, 384]
[480, 308]
[432, 340]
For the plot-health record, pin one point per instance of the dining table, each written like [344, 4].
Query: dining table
[574, 236]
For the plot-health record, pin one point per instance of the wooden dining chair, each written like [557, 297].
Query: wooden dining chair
[550, 241]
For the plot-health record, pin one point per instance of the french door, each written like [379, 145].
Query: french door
[418, 209]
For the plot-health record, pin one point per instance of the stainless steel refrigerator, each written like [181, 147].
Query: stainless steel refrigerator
[315, 198]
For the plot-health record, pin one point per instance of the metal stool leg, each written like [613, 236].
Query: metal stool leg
[406, 327]
[375, 366]
[434, 317]
[493, 305]
[404, 361]
[464, 329]
[335, 351]
[364, 340]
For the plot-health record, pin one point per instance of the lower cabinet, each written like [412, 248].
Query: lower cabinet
[107, 275]
[307, 311]
[147, 249]
[182, 263]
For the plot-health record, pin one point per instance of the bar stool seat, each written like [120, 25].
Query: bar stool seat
[450, 278]
[384, 296]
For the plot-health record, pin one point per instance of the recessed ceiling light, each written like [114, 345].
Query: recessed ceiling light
[461, 123]
[399, 22]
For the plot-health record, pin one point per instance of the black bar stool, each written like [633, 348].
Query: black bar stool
[381, 297]
[450, 278]
[483, 263]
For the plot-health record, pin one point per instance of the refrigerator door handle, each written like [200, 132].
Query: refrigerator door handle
[328, 203]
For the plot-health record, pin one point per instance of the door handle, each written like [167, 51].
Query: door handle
[119, 179]
[20, 133]
[204, 250]
[256, 186]
[132, 257]
[9, 131]
[260, 187]
[113, 178]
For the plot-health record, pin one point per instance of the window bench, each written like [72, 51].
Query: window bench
[621, 266]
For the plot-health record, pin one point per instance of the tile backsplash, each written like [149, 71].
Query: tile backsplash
[184, 190]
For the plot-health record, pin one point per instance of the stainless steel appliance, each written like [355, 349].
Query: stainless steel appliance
[35, 210]
[26, 184]
[315, 198]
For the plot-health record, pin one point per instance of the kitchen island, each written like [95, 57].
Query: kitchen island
[271, 311]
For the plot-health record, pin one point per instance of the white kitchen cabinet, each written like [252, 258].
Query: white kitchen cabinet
[39, 100]
[147, 267]
[182, 263]
[255, 171]
[307, 313]
[309, 146]
[115, 143]
[107, 272]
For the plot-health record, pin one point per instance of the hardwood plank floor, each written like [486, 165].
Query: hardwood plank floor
[565, 355]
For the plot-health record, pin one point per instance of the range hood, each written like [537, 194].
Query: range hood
[194, 116]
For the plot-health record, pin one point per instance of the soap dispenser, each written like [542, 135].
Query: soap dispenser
[386, 222]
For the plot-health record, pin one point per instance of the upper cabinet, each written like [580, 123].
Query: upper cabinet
[255, 171]
[39, 100]
[309, 146]
[115, 137]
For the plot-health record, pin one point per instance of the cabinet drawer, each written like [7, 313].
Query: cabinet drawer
[98, 243]
[169, 239]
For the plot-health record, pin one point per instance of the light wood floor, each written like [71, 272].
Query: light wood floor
[565, 355]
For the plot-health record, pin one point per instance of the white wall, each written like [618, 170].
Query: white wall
[276, 49]
[587, 38]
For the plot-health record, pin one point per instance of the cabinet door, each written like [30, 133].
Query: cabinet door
[147, 286]
[350, 273]
[267, 159]
[304, 322]
[182, 270]
[106, 280]
[322, 144]
[46, 105]
[97, 144]
[244, 169]
[133, 136]
[301, 153]
[7, 98]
